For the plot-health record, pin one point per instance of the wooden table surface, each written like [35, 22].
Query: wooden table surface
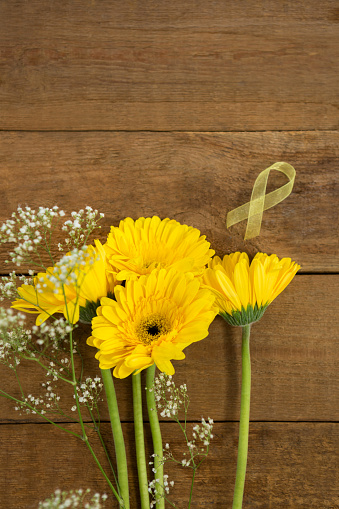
[142, 108]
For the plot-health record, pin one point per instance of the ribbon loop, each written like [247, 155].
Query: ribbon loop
[253, 210]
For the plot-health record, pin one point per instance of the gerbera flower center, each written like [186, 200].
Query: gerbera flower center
[152, 327]
[153, 330]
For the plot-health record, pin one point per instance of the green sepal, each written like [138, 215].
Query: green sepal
[88, 312]
[245, 316]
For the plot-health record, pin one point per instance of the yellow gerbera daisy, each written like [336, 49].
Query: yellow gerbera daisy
[243, 291]
[137, 247]
[73, 287]
[152, 320]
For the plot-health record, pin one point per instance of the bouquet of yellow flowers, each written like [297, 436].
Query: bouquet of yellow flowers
[147, 293]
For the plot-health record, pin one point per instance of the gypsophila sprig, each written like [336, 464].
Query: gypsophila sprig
[29, 229]
[169, 398]
[32, 232]
[169, 401]
[8, 285]
[18, 342]
[54, 334]
[203, 433]
[80, 227]
[77, 281]
[152, 489]
[47, 403]
[89, 392]
[69, 270]
[73, 499]
[15, 339]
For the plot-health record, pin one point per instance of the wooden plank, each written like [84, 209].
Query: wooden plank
[294, 354]
[289, 465]
[80, 65]
[195, 178]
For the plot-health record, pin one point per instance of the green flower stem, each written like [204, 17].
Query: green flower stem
[139, 441]
[244, 418]
[156, 437]
[118, 437]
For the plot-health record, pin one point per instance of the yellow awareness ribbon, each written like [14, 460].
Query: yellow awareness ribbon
[253, 210]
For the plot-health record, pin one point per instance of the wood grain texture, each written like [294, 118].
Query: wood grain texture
[79, 65]
[209, 73]
[295, 355]
[291, 465]
[195, 178]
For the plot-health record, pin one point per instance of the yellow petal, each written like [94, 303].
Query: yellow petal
[259, 282]
[106, 301]
[192, 334]
[122, 371]
[228, 289]
[138, 361]
[241, 282]
[162, 361]
[71, 312]
[284, 281]
[110, 314]
[104, 332]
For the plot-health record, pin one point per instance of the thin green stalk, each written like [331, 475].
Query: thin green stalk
[170, 503]
[47, 248]
[156, 437]
[103, 472]
[118, 437]
[139, 441]
[4, 394]
[191, 492]
[97, 429]
[46, 368]
[244, 418]
[19, 383]
[75, 381]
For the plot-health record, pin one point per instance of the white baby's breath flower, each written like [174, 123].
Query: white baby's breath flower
[89, 391]
[8, 285]
[74, 498]
[28, 229]
[168, 398]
